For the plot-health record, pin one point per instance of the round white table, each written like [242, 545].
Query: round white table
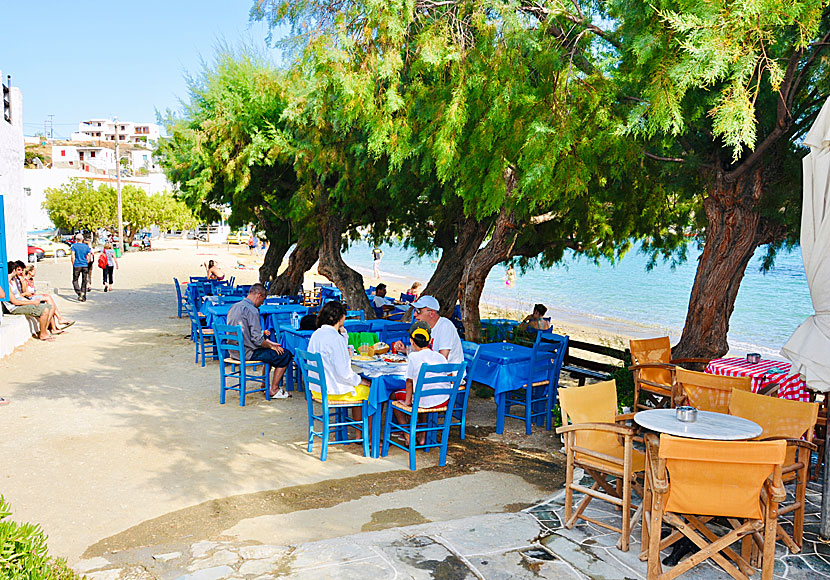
[708, 425]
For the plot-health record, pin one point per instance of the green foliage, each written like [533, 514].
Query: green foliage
[79, 205]
[23, 552]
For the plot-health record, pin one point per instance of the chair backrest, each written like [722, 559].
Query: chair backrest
[546, 360]
[407, 297]
[471, 354]
[718, 478]
[448, 373]
[311, 366]
[231, 281]
[355, 315]
[178, 289]
[190, 308]
[370, 290]
[229, 341]
[709, 392]
[652, 350]
[596, 403]
[778, 417]
[323, 285]
[357, 326]
[393, 331]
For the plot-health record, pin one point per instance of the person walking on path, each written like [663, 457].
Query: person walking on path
[377, 254]
[110, 263]
[79, 254]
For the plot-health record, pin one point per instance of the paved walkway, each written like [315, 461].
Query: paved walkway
[496, 546]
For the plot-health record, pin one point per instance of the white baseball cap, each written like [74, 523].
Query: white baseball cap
[427, 302]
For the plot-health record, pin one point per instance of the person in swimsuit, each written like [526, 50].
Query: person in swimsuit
[214, 272]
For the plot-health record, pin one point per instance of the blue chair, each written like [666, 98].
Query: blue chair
[198, 279]
[231, 281]
[437, 419]
[389, 333]
[407, 297]
[538, 387]
[357, 326]
[370, 291]
[333, 417]
[459, 413]
[202, 335]
[235, 368]
[355, 314]
[181, 300]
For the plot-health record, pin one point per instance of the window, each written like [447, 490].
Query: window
[121, 137]
[27, 191]
[92, 154]
[63, 152]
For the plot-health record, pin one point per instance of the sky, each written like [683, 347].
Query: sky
[100, 59]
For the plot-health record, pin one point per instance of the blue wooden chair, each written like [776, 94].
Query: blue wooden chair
[390, 333]
[459, 413]
[234, 371]
[407, 297]
[202, 335]
[355, 315]
[357, 326]
[539, 385]
[334, 415]
[181, 299]
[438, 420]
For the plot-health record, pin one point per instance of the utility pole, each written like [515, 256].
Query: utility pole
[118, 191]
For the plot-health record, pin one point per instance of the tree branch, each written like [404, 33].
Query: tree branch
[661, 158]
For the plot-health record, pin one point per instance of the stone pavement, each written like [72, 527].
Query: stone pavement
[492, 547]
[591, 549]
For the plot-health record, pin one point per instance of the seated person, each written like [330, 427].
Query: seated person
[445, 336]
[20, 305]
[380, 302]
[420, 335]
[330, 340]
[534, 320]
[214, 272]
[414, 290]
[308, 322]
[27, 282]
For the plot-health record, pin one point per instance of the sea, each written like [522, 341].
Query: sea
[625, 298]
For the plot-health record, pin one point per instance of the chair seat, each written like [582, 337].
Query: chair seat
[207, 331]
[338, 403]
[408, 408]
[235, 361]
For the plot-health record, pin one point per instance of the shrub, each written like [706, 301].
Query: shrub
[23, 552]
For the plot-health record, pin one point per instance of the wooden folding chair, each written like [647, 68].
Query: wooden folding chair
[789, 420]
[705, 391]
[689, 482]
[653, 370]
[592, 442]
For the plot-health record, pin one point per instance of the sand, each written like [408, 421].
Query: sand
[114, 438]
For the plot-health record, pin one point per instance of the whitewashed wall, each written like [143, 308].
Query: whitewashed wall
[11, 178]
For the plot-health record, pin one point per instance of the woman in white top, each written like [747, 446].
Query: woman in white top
[331, 342]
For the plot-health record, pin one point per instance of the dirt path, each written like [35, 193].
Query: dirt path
[115, 439]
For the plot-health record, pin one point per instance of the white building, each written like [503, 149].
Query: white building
[128, 132]
[90, 159]
[11, 172]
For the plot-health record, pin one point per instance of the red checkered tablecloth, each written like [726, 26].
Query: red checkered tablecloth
[790, 386]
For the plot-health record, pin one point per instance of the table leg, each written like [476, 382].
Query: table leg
[377, 427]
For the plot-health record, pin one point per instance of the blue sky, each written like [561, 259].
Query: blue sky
[84, 59]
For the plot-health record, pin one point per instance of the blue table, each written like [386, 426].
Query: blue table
[501, 366]
[220, 311]
[292, 339]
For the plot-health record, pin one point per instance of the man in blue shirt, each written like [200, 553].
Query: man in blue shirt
[80, 266]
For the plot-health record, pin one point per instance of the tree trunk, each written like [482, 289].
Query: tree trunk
[301, 260]
[456, 249]
[733, 233]
[335, 269]
[279, 240]
[497, 250]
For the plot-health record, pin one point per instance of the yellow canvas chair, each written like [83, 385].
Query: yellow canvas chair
[653, 370]
[689, 482]
[596, 443]
[707, 392]
[789, 420]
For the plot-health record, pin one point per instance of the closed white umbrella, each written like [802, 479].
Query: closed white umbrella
[809, 346]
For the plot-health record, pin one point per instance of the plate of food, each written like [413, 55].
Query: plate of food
[394, 358]
[363, 358]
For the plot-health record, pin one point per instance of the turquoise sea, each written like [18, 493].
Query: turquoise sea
[626, 299]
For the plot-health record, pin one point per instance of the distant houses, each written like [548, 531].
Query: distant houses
[104, 130]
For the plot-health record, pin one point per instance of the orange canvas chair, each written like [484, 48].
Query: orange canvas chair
[653, 370]
[707, 392]
[593, 442]
[789, 420]
[689, 482]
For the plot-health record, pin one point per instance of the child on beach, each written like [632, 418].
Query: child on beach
[420, 336]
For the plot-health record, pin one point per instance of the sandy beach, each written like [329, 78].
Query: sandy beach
[115, 439]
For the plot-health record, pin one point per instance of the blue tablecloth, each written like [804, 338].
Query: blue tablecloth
[380, 391]
[501, 366]
[220, 311]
